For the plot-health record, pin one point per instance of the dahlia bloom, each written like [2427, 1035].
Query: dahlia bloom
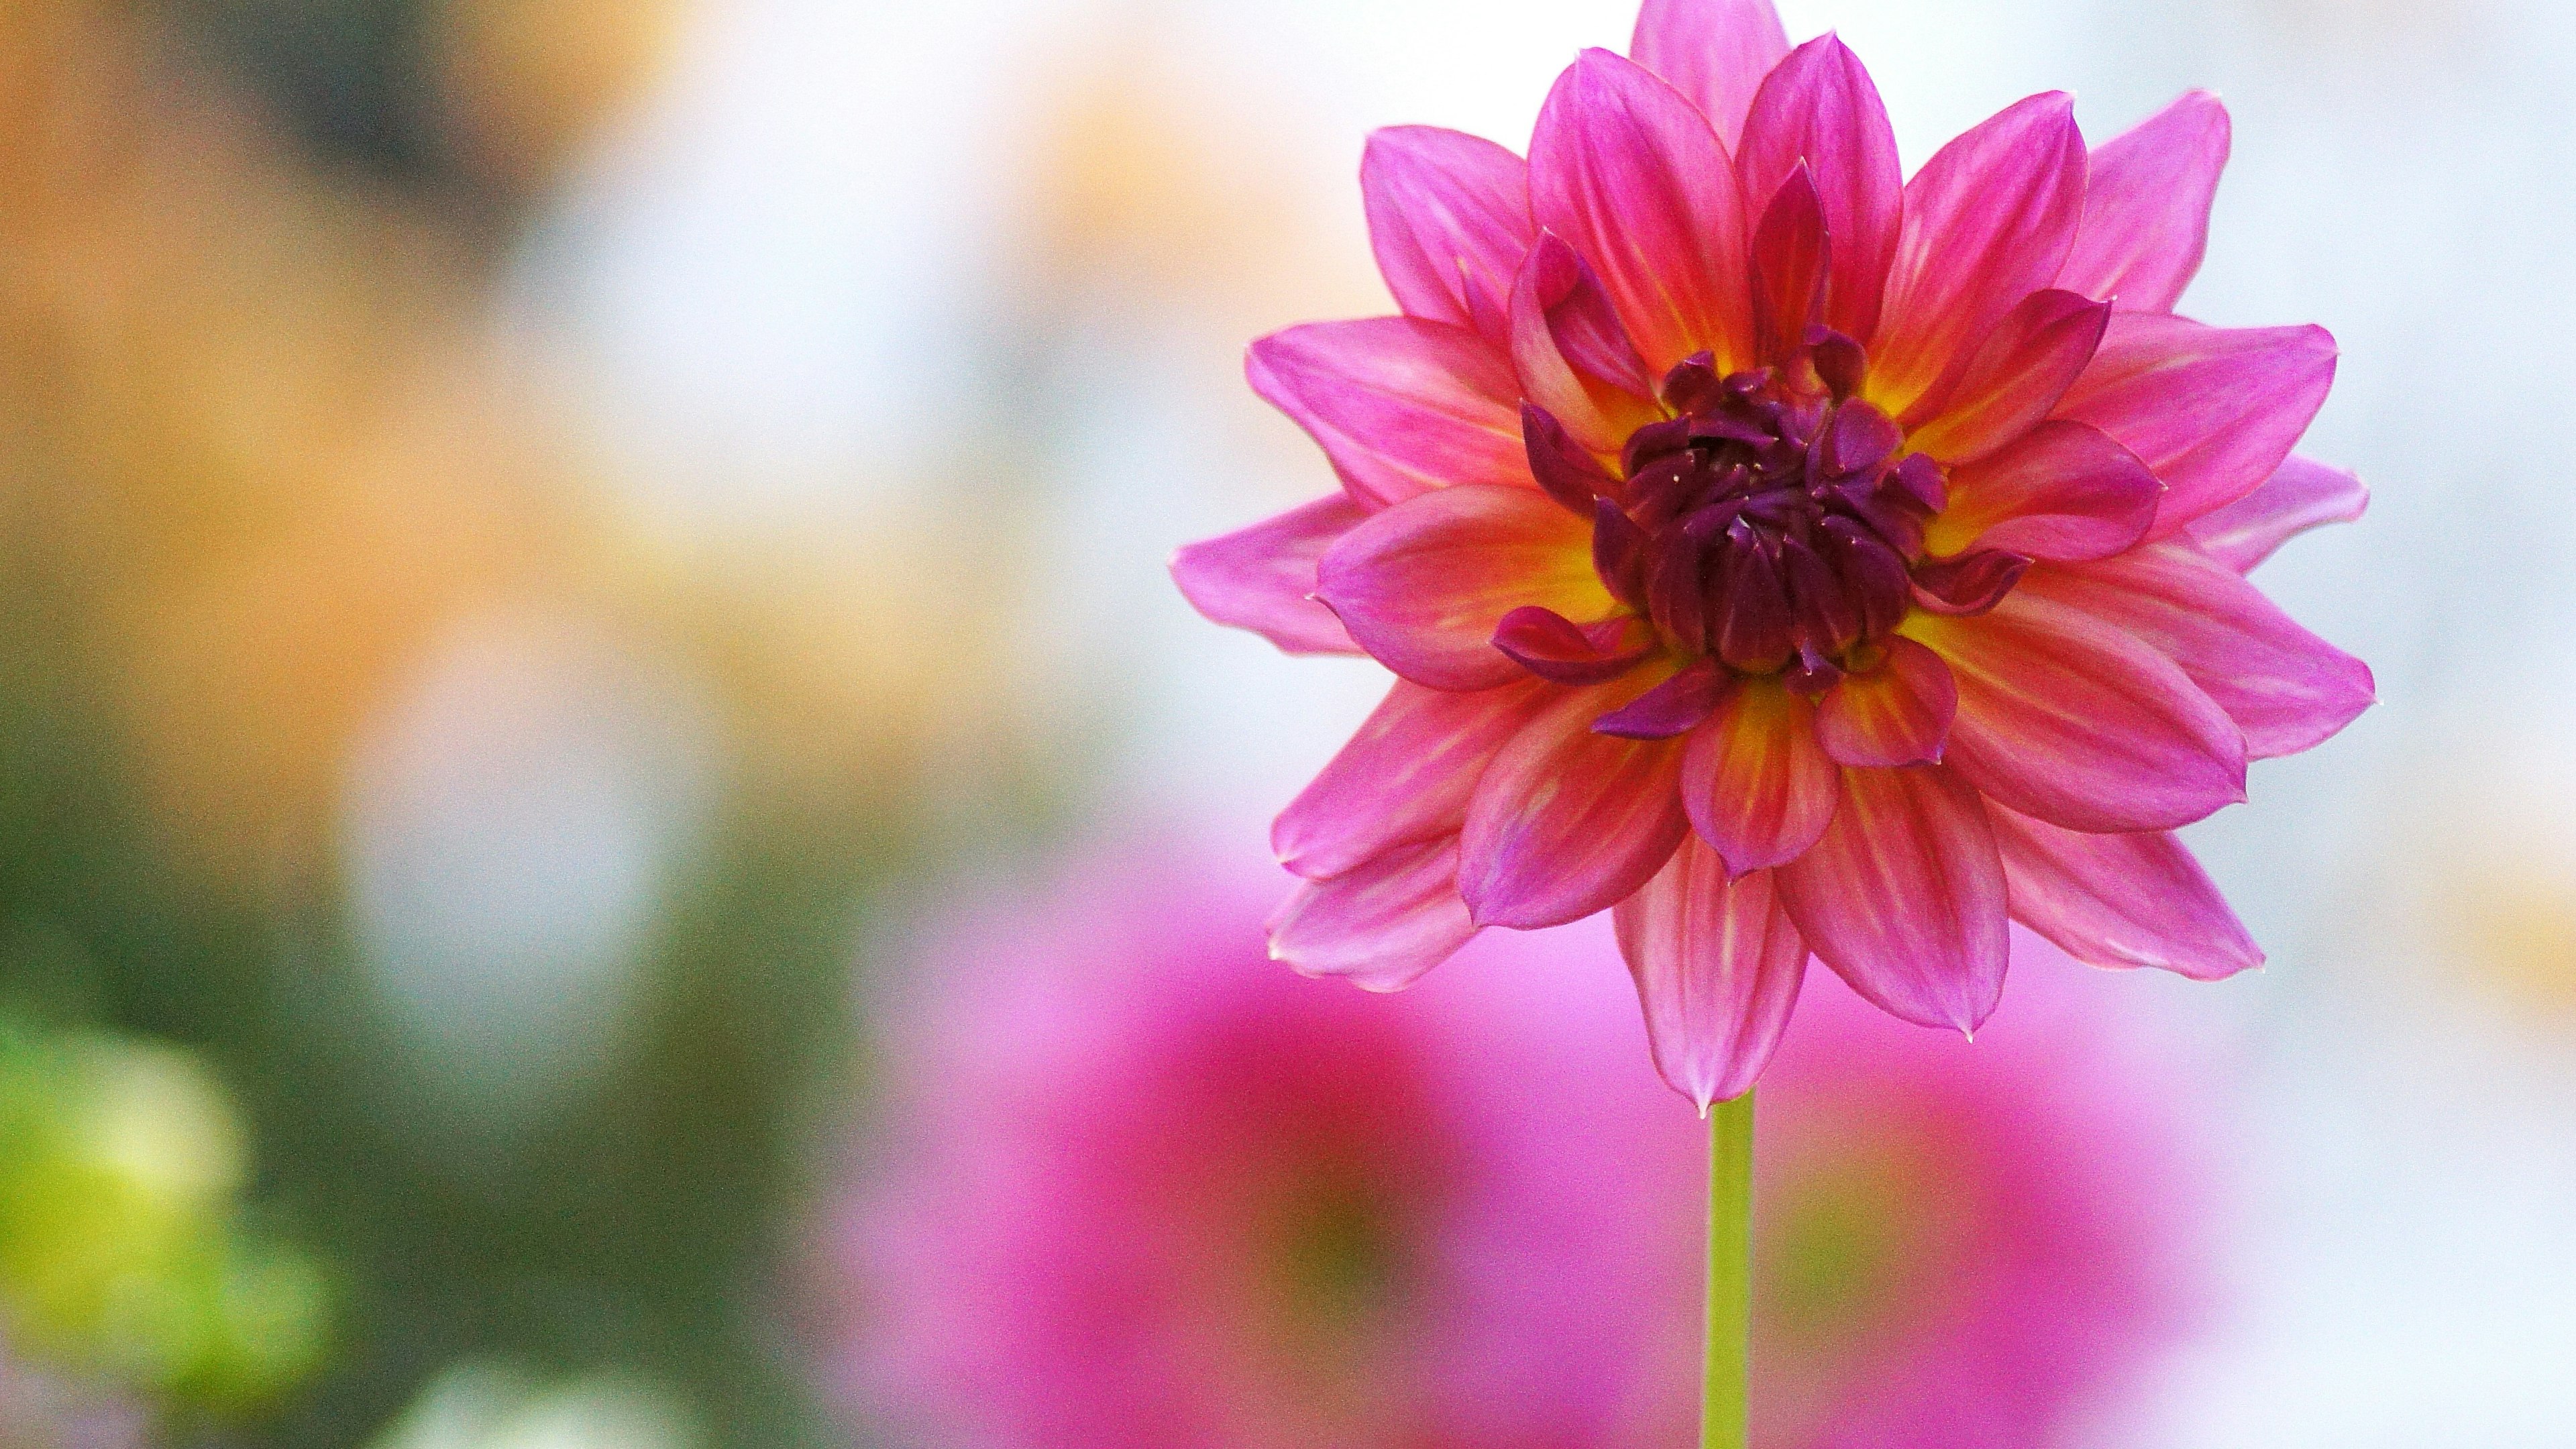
[1787, 556]
[1134, 1188]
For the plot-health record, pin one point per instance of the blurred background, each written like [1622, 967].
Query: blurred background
[543, 542]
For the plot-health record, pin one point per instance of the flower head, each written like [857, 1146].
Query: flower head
[1789, 556]
[1137, 1189]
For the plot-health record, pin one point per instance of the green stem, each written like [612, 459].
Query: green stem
[1730, 1273]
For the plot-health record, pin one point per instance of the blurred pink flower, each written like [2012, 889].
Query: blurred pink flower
[1131, 1186]
[1789, 556]
[40, 1410]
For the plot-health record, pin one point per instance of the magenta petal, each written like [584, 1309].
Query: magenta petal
[1758, 787]
[2137, 899]
[1570, 353]
[1897, 714]
[1557, 649]
[1401, 406]
[1819, 106]
[1904, 897]
[1422, 585]
[1717, 966]
[1381, 925]
[1406, 776]
[2065, 491]
[2212, 411]
[2079, 722]
[1626, 170]
[2301, 494]
[1262, 578]
[2286, 688]
[1987, 222]
[2146, 207]
[1674, 707]
[1713, 51]
[1448, 217]
[2014, 379]
[1567, 822]
[1791, 257]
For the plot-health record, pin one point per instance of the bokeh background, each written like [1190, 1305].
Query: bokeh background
[539, 537]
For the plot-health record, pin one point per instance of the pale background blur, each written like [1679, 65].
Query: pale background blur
[532, 529]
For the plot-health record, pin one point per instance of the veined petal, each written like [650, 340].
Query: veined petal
[1904, 896]
[2120, 900]
[1713, 51]
[2146, 208]
[1422, 585]
[2079, 722]
[1379, 926]
[2286, 688]
[1758, 786]
[1567, 822]
[1791, 259]
[1627, 171]
[2064, 491]
[1400, 405]
[1570, 353]
[2013, 381]
[2212, 411]
[1820, 106]
[1448, 216]
[1988, 221]
[1406, 776]
[2301, 494]
[1717, 965]
[1262, 578]
[1897, 714]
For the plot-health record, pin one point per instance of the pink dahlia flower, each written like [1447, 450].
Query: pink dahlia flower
[1788, 556]
[1134, 1188]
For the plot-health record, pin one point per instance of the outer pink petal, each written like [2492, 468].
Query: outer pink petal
[1379, 926]
[1400, 405]
[2212, 410]
[1904, 897]
[2146, 209]
[1405, 777]
[1448, 216]
[2078, 722]
[1713, 51]
[1821, 107]
[1422, 585]
[1758, 786]
[1897, 715]
[2300, 495]
[2014, 379]
[2064, 491]
[2120, 900]
[1988, 221]
[1627, 171]
[1567, 822]
[1717, 966]
[2286, 688]
[1262, 578]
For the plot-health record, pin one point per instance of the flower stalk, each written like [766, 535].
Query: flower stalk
[1730, 1273]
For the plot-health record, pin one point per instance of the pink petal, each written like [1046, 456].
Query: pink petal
[1713, 51]
[2286, 688]
[1987, 222]
[1406, 776]
[1624, 169]
[1904, 896]
[2013, 381]
[1567, 822]
[1400, 405]
[2300, 495]
[1820, 106]
[1571, 355]
[2213, 411]
[1791, 260]
[1448, 217]
[2120, 900]
[1897, 714]
[1717, 966]
[2075, 721]
[1422, 585]
[1555, 648]
[1379, 926]
[1262, 578]
[1672, 708]
[2146, 208]
[2064, 491]
[1758, 787]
